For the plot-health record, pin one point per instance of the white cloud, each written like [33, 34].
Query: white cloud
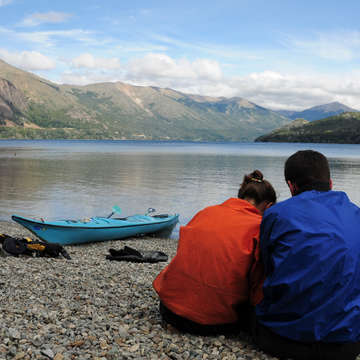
[336, 46]
[49, 38]
[49, 17]
[297, 91]
[217, 50]
[28, 60]
[161, 66]
[161, 43]
[46, 37]
[87, 77]
[5, 2]
[139, 47]
[207, 69]
[89, 61]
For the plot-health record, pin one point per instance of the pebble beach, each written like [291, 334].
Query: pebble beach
[92, 308]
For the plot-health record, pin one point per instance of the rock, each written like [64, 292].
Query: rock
[123, 333]
[134, 348]
[19, 355]
[36, 341]
[103, 344]
[48, 352]
[77, 343]
[14, 334]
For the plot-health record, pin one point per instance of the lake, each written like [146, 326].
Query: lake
[57, 179]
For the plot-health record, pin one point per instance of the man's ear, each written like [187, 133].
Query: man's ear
[330, 184]
[269, 204]
[263, 206]
[293, 187]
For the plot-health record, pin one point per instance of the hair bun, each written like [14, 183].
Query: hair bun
[256, 188]
[257, 174]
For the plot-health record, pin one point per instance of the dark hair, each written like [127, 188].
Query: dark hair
[309, 170]
[255, 187]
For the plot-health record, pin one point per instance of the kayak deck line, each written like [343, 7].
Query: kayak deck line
[51, 224]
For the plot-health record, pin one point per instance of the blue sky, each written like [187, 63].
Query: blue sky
[281, 54]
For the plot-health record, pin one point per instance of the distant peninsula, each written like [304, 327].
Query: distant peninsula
[340, 129]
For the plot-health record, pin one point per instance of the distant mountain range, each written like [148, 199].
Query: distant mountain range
[317, 112]
[32, 107]
[341, 129]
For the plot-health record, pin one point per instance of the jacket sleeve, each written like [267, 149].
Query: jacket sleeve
[267, 240]
[256, 275]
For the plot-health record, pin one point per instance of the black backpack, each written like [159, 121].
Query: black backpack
[26, 246]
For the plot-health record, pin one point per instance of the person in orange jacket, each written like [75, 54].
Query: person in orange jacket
[215, 277]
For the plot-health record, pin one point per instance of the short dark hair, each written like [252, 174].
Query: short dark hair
[255, 187]
[309, 170]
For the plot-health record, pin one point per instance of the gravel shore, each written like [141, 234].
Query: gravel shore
[93, 308]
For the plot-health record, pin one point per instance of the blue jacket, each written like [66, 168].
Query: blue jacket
[310, 246]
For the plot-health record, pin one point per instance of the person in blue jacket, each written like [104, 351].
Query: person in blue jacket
[310, 245]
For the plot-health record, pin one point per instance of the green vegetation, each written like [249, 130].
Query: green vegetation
[45, 117]
[341, 129]
[91, 99]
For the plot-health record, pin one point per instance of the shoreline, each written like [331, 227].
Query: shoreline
[93, 308]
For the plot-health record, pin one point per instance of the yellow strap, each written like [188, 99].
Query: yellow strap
[39, 247]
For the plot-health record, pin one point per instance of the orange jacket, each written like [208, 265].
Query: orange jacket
[216, 265]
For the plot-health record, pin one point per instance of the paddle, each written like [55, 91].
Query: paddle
[114, 210]
[149, 211]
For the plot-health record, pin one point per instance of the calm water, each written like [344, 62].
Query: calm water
[77, 179]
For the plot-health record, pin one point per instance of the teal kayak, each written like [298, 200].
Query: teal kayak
[68, 232]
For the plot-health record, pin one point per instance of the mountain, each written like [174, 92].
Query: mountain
[341, 129]
[12, 102]
[33, 107]
[317, 112]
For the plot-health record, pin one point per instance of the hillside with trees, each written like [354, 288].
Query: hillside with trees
[340, 129]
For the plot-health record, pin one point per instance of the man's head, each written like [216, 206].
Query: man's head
[307, 170]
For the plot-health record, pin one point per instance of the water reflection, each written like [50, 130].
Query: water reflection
[346, 176]
[79, 179]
